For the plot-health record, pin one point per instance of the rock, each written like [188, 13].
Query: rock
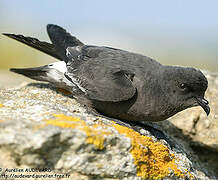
[45, 133]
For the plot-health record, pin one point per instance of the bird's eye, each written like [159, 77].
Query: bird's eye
[183, 86]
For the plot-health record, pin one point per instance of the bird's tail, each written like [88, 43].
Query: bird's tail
[37, 73]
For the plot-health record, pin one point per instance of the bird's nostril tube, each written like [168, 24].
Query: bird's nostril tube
[205, 101]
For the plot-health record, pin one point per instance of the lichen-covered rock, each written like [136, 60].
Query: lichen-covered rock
[44, 129]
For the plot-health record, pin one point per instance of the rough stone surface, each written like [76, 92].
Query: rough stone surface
[42, 127]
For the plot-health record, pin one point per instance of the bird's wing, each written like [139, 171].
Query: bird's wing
[99, 81]
[35, 43]
[61, 39]
[114, 87]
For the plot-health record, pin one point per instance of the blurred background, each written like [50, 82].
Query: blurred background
[174, 32]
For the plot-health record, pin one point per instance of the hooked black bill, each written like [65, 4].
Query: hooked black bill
[204, 104]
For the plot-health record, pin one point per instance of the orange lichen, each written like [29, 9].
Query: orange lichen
[63, 91]
[152, 159]
[95, 133]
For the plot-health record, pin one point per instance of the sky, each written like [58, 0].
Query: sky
[175, 32]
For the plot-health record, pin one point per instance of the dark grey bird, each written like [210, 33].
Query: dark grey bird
[116, 83]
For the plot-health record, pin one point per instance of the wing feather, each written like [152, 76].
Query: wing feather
[101, 83]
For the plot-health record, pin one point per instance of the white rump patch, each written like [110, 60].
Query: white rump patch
[59, 66]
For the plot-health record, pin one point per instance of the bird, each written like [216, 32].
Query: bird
[115, 82]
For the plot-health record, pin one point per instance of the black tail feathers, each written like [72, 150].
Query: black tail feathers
[38, 73]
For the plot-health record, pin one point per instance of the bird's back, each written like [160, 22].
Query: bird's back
[97, 61]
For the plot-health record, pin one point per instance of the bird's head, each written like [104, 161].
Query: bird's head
[186, 87]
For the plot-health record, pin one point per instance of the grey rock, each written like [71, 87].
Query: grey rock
[43, 127]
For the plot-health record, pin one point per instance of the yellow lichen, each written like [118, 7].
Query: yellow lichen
[95, 133]
[1, 105]
[152, 159]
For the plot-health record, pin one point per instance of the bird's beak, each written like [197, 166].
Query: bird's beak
[204, 104]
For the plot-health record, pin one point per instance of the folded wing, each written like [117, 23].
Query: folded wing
[61, 39]
[99, 82]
